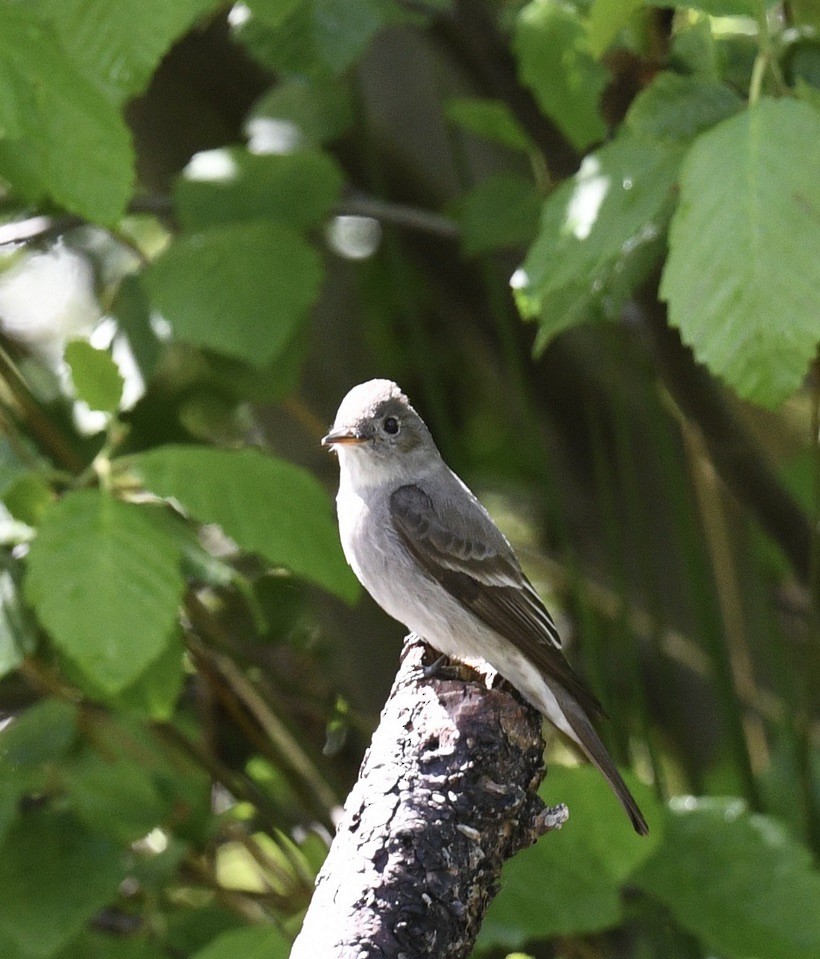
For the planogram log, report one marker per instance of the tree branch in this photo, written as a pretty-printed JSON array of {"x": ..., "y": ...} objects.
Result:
[{"x": 446, "y": 793}]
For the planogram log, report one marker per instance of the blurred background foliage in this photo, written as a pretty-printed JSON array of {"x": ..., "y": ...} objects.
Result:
[{"x": 214, "y": 220}]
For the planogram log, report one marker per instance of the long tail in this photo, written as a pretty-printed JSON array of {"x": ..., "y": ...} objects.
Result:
[{"x": 589, "y": 741}]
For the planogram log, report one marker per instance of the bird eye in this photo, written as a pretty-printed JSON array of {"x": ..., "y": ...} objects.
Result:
[{"x": 391, "y": 425}]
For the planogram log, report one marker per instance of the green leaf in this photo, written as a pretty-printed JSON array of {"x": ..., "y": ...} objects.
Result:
[
  {"x": 259, "y": 942},
  {"x": 319, "y": 107},
  {"x": 133, "y": 315},
  {"x": 27, "y": 496},
  {"x": 675, "y": 107},
  {"x": 114, "y": 798},
  {"x": 806, "y": 12},
  {"x": 715, "y": 8},
  {"x": 194, "y": 927},
  {"x": 54, "y": 875},
  {"x": 344, "y": 29},
  {"x": 555, "y": 63},
  {"x": 240, "y": 289},
  {"x": 501, "y": 211},
  {"x": 12, "y": 625},
  {"x": 98, "y": 945},
  {"x": 599, "y": 234},
  {"x": 64, "y": 137},
  {"x": 695, "y": 50},
  {"x": 587, "y": 861},
  {"x": 97, "y": 378},
  {"x": 294, "y": 188},
  {"x": 280, "y": 35},
  {"x": 299, "y": 36},
  {"x": 490, "y": 119},
  {"x": 606, "y": 18},
  {"x": 155, "y": 692},
  {"x": 745, "y": 206},
  {"x": 40, "y": 735},
  {"x": 266, "y": 505},
  {"x": 118, "y": 45},
  {"x": 274, "y": 13},
  {"x": 736, "y": 880},
  {"x": 105, "y": 581}
]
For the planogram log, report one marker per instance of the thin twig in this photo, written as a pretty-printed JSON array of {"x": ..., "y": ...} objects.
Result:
[{"x": 401, "y": 215}]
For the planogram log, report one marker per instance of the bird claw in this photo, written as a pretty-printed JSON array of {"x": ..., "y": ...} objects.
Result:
[{"x": 433, "y": 670}]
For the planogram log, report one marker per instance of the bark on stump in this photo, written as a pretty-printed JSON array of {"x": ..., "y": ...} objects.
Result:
[{"x": 446, "y": 793}]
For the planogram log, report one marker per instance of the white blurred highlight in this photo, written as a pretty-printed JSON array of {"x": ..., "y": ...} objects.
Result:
[{"x": 354, "y": 237}]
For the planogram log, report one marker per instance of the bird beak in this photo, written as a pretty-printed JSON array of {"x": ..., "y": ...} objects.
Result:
[{"x": 343, "y": 437}]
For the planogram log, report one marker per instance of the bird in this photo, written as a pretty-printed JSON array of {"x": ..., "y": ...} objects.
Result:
[{"x": 430, "y": 555}]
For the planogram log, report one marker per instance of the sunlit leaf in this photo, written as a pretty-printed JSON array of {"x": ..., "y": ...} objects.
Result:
[
  {"x": 294, "y": 188},
  {"x": 268, "y": 506},
  {"x": 678, "y": 107},
  {"x": 606, "y": 18},
  {"x": 743, "y": 249},
  {"x": 240, "y": 289},
  {"x": 599, "y": 234},
  {"x": 118, "y": 45},
  {"x": 105, "y": 581},
  {"x": 27, "y": 496},
  {"x": 715, "y": 8},
  {"x": 555, "y": 63},
  {"x": 96, "y": 376},
  {"x": 64, "y": 138}
]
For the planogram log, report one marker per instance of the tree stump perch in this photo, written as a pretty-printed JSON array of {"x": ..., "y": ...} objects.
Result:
[{"x": 446, "y": 793}]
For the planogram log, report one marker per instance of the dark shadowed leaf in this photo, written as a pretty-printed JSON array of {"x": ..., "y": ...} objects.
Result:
[
  {"x": 501, "y": 211},
  {"x": 261, "y": 942},
  {"x": 570, "y": 881},
  {"x": 490, "y": 119},
  {"x": 115, "y": 797},
  {"x": 301, "y": 36},
  {"x": 318, "y": 108},
  {"x": 54, "y": 875},
  {"x": 736, "y": 880}
]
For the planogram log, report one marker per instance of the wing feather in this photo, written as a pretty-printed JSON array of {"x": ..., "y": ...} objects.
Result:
[{"x": 488, "y": 581}]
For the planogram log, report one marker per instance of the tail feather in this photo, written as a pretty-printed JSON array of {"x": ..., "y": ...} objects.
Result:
[{"x": 589, "y": 741}]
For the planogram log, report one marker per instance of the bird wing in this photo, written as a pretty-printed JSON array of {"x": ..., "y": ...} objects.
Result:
[{"x": 486, "y": 579}]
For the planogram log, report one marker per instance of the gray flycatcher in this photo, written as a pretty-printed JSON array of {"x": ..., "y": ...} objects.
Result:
[{"x": 430, "y": 555}]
